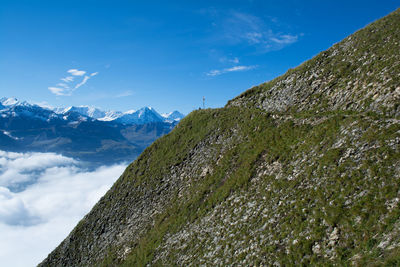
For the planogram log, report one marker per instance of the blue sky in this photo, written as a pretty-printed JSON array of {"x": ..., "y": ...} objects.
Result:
[{"x": 166, "y": 54}]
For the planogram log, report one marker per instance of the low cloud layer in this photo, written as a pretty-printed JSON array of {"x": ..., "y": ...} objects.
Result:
[
  {"x": 71, "y": 82},
  {"x": 56, "y": 193}
]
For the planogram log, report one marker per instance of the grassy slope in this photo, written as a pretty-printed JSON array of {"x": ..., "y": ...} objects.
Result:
[{"x": 317, "y": 195}]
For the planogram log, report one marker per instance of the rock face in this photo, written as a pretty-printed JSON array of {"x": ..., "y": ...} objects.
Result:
[{"x": 302, "y": 170}]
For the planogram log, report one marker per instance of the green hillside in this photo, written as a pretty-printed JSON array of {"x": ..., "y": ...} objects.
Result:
[{"x": 304, "y": 169}]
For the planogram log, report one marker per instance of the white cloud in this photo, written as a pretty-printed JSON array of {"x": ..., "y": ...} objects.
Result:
[
  {"x": 239, "y": 68},
  {"x": 213, "y": 73},
  {"x": 13, "y": 210},
  {"x": 285, "y": 39},
  {"x": 57, "y": 91},
  {"x": 234, "y": 60},
  {"x": 124, "y": 94},
  {"x": 232, "y": 69},
  {"x": 56, "y": 193},
  {"x": 63, "y": 85},
  {"x": 238, "y": 28},
  {"x": 67, "y": 79},
  {"x": 67, "y": 87},
  {"x": 76, "y": 72},
  {"x": 254, "y": 37},
  {"x": 85, "y": 79}
]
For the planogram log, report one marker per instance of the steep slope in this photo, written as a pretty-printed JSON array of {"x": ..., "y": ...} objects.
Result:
[{"x": 304, "y": 169}]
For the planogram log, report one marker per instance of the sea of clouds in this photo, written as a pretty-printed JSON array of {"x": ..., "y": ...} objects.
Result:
[{"x": 42, "y": 197}]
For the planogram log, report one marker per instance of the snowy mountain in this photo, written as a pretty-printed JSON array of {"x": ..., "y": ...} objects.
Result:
[
  {"x": 111, "y": 115},
  {"x": 173, "y": 116},
  {"x": 142, "y": 116},
  {"x": 13, "y": 107},
  {"x": 9, "y": 101},
  {"x": 88, "y": 111},
  {"x": 83, "y": 132}
]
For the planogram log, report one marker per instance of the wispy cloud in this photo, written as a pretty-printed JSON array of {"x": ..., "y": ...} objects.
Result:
[
  {"x": 59, "y": 91},
  {"x": 240, "y": 68},
  {"x": 232, "y": 69},
  {"x": 67, "y": 87},
  {"x": 85, "y": 79},
  {"x": 76, "y": 72},
  {"x": 63, "y": 85},
  {"x": 124, "y": 94},
  {"x": 67, "y": 79},
  {"x": 256, "y": 32},
  {"x": 254, "y": 37},
  {"x": 234, "y": 60},
  {"x": 214, "y": 73},
  {"x": 51, "y": 183},
  {"x": 238, "y": 28},
  {"x": 224, "y": 59},
  {"x": 285, "y": 39}
]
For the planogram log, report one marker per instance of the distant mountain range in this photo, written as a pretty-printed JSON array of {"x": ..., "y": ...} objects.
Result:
[
  {"x": 83, "y": 132},
  {"x": 141, "y": 116}
]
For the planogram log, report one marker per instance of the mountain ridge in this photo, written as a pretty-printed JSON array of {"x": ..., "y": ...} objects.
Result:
[
  {"x": 98, "y": 114},
  {"x": 75, "y": 132},
  {"x": 301, "y": 170}
]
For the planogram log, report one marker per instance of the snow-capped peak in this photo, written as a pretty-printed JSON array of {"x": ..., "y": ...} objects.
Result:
[
  {"x": 88, "y": 111},
  {"x": 79, "y": 113},
  {"x": 9, "y": 101},
  {"x": 131, "y": 111},
  {"x": 173, "y": 116},
  {"x": 111, "y": 115},
  {"x": 142, "y": 116},
  {"x": 45, "y": 106}
]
